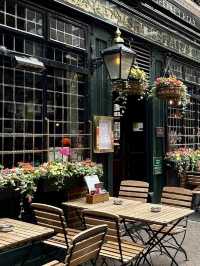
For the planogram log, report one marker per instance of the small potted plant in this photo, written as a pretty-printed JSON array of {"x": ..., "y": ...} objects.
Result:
[
  {"x": 171, "y": 89},
  {"x": 137, "y": 81}
]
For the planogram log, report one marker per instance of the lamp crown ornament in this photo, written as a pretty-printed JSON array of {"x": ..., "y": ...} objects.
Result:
[{"x": 118, "y": 38}]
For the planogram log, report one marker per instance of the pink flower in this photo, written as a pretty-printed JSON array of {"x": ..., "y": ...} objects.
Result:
[{"x": 65, "y": 151}]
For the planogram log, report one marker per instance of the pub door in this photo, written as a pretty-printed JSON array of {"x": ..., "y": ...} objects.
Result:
[{"x": 130, "y": 155}]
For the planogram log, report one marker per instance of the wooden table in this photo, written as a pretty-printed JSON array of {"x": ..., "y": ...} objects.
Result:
[
  {"x": 22, "y": 234},
  {"x": 103, "y": 206},
  {"x": 134, "y": 210}
]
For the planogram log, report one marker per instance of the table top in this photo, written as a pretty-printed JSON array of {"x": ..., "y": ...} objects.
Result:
[
  {"x": 135, "y": 210},
  {"x": 166, "y": 215},
  {"x": 22, "y": 234},
  {"x": 102, "y": 206}
]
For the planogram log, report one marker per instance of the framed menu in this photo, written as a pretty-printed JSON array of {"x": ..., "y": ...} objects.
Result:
[{"x": 103, "y": 134}]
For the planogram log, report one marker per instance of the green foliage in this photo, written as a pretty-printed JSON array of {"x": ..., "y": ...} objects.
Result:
[
  {"x": 183, "y": 160},
  {"x": 25, "y": 177}
]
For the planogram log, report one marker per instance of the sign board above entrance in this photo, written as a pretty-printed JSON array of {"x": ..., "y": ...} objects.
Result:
[
  {"x": 179, "y": 12},
  {"x": 151, "y": 31}
]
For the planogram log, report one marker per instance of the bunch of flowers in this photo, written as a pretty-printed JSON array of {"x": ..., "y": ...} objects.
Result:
[
  {"x": 25, "y": 177},
  {"x": 137, "y": 81},
  {"x": 171, "y": 81},
  {"x": 86, "y": 168},
  {"x": 138, "y": 74},
  {"x": 171, "y": 89},
  {"x": 183, "y": 159}
]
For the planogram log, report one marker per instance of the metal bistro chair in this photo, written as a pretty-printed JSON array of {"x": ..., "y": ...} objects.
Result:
[
  {"x": 84, "y": 247},
  {"x": 178, "y": 197},
  {"x": 53, "y": 217},
  {"x": 115, "y": 247},
  {"x": 134, "y": 190}
]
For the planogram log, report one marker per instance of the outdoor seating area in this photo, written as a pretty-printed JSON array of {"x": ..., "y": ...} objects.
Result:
[{"x": 101, "y": 240}]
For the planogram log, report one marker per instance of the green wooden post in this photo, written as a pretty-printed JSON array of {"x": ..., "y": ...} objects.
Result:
[
  {"x": 101, "y": 98},
  {"x": 158, "y": 142}
]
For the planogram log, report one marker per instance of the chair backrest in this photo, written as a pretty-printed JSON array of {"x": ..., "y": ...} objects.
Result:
[
  {"x": 86, "y": 246},
  {"x": 50, "y": 216},
  {"x": 177, "y": 196},
  {"x": 135, "y": 190},
  {"x": 93, "y": 218}
]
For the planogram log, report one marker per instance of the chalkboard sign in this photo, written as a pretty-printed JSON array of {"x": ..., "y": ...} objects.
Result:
[{"x": 157, "y": 165}]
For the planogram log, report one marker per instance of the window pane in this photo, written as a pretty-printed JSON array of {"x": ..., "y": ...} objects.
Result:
[
  {"x": 2, "y": 8},
  {"x": 19, "y": 45},
  {"x": 21, "y": 24},
  {"x": 2, "y": 20},
  {"x": 39, "y": 29},
  {"x": 8, "y": 76},
  {"x": 9, "y": 110},
  {"x": 10, "y": 7},
  {"x": 31, "y": 27},
  {"x": 10, "y": 21},
  {"x": 38, "y": 18},
  {"x": 8, "y": 93},
  {"x": 20, "y": 11},
  {"x": 19, "y": 78},
  {"x": 8, "y": 41},
  {"x": 31, "y": 15},
  {"x": 29, "y": 47}
]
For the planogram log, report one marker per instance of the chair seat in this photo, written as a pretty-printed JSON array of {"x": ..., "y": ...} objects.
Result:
[
  {"x": 58, "y": 240},
  {"x": 174, "y": 231},
  {"x": 129, "y": 250},
  {"x": 54, "y": 263}
]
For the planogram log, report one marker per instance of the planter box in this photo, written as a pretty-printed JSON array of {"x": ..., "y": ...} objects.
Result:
[
  {"x": 9, "y": 203},
  {"x": 172, "y": 179}
]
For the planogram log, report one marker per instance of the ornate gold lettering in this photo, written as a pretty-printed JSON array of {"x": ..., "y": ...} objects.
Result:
[{"x": 134, "y": 24}]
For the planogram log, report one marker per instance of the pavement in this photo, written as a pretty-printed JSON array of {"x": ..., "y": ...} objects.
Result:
[{"x": 191, "y": 245}]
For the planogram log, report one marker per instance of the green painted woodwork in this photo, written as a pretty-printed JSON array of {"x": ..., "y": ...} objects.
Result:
[
  {"x": 158, "y": 120},
  {"x": 101, "y": 97}
]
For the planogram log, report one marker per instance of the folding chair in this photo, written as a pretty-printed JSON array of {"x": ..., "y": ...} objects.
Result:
[
  {"x": 84, "y": 247},
  {"x": 53, "y": 217},
  {"x": 115, "y": 247},
  {"x": 178, "y": 197},
  {"x": 134, "y": 190}
]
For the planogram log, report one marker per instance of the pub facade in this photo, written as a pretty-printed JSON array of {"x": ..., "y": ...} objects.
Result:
[{"x": 51, "y": 89}]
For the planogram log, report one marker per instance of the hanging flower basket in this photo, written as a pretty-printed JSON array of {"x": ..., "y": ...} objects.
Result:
[
  {"x": 137, "y": 81},
  {"x": 135, "y": 87},
  {"x": 119, "y": 86},
  {"x": 170, "y": 88}
]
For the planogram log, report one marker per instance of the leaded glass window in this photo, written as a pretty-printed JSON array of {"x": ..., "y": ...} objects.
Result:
[
  {"x": 184, "y": 127},
  {"x": 17, "y": 16},
  {"x": 67, "y": 33}
]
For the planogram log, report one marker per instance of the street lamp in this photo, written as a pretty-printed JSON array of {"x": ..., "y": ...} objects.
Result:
[{"x": 118, "y": 59}]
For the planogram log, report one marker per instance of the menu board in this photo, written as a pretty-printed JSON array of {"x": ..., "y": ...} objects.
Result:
[{"x": 103, "y": 134}]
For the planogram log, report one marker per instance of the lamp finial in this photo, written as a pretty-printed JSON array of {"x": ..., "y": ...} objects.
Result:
[{"x": 118, "y": 38}]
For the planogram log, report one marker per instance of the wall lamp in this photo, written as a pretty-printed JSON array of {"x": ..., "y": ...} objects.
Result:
[
  {"x": 23, "y": 62},
  {"x": 117, "y": 59}
]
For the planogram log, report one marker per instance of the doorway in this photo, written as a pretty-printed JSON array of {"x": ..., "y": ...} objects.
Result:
[{"x": 130, "y": 154}]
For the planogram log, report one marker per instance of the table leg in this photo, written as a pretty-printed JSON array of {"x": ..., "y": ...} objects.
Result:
[
  {"x": 154, "y": 241},
  {"x": 25, "y": 258}
]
